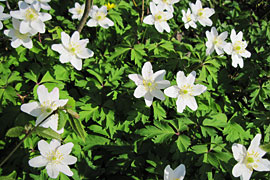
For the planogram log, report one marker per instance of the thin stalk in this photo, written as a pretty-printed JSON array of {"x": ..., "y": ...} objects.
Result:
[
  {"x": 142, "y": 11},
  {"x": 88, "y": 5},
  {"x": 18, "y": 145}
]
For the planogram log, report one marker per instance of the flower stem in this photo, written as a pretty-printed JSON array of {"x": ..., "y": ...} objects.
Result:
[
  {"x": 18, "y": 145},
  {"x": 88, "y": 5},
  {"x": 142, "y": 11}
]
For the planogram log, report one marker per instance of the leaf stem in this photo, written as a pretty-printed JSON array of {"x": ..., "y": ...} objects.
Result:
[
  {"x": 88, "y": 5},
  {"x": 18, "y": 145}
]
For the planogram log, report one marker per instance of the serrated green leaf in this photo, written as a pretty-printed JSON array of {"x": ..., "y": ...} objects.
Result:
[
  {"x": 62, "y": 119},
  {"x": 47, "y": 78},
  {"x": 77, "y": 126},
  {"x": 47, "y": 133}
]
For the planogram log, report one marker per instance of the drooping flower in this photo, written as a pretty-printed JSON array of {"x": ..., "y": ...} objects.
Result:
[
  {"x": 98, "y": 17},
  {"x": 3, "y": 16},
  {"x": 18, "y": 38},
  {"x": 158, "y": 17},
  {"x": 249, "y": 160},
  {"x": 48, "y": 103},
  {"x": 177, "y": 174},
  {"x": 31, "y": 18},
  {"x": 149, "y": 84},
  {"x": 215, "y": 41},
  {"x": 55, "y": 157},
  {"x": 237, "y": 49},
  {"x": 202, "y": 14},
  {"x": 168, "y": 4},
  {"x": 188, "y": 19},
  {"x": 77, "y": 11},
  {"x": 110, "y": 6},
  {"x": 185, "y": 91},
  {"x": 43, "y": 4},
  {"x": 73, "y": 49}
]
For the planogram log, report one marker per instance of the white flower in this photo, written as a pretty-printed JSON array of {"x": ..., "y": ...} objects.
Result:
[
  {"x": 73, "y": 49},
  {"x": 48, "y": 102},
  {"x": 249, "y": 159},
  {"x": 31, "y": 18},
  {"x": 43, "y": 4},
  {"x": 55, "y": 157},
  {"x": 188, "y": 19},
  {"x": 159, "y": 17},
  {"x": 237, "y": 49},
  {"x": 185, "y": 91},
  {"x": 19, "y": 38},
  {"x": 52, "y": 122},
  {"x": 215, "y": 41},
  {"x": 168, "y": 4},
  {"x": 149, "y": 84},
  {"x": 3, "y": 16},
  {"x": 77, "y": 11},
  {"x": 202, "y": 14},
  {"x": 177, "y": 174},
  {"x": 98, "y": 17}
]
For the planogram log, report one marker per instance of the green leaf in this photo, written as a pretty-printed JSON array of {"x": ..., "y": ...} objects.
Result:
[
  {"x": 31, "y": 76},
  {"x": 159, "y": 112},
  {"x": 77, "y": 126},
  {"x": 47, "y": 78},
  {"x": 266, "y": 147},
  {"x": 15, "y": 131},
  {"x": 200, "y": 149},
  {"x": 218, "y": 120},
  {"x": 62, "y": 119},
  {"x": 47, "y": 133}
]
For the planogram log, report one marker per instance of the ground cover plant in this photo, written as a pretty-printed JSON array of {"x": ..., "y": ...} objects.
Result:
[{"x": 133, "y": 89}]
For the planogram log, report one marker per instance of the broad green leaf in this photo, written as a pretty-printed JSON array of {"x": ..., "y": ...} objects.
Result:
[
  {"x": 15, "y": 131},
  {"x": 47, "y": 78},
  {"x": 47, "y": 133},
  {"x": 62, "y": 119},
  {"x": 77, "y": 127}
]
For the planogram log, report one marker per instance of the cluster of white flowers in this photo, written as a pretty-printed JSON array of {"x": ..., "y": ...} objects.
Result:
[
  {"x": 161, "y": 11},
  {"x": 27, "y": 21},
  {"x": 97, "y": 15},
  {"x": 237, "y": 48},
  {"x": 198, "y": 14},
  {"x": 149, "y": 85}
]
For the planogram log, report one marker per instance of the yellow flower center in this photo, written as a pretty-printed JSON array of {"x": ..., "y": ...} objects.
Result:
[
  {"x": 251, "y": 160},
  {"x": 159, "y": 17},
  {"x": 80, "y": 11},
  {"x": 100, "y": 16},
  {"x": 186, "y": 89},
  {"x": 47, "y": 106},
  {"x": 54, "y": 157},
  {"x": 201, "y": 12},
  {"x": 239, "y": 47},
  {"x": 217, "y": 41},
  {"x": 74, "y": 48},
  {"x": 20, "y": 35},
  {"x": 31, "y": 14},
  {"x": 149, "y": 85}
]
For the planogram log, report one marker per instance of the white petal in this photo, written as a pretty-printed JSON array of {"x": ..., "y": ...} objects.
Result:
[
  {"x": 16, "y": 43},
  {"x": 59, "y": 48},
  {"x": 172, "y": 91},
  {"x": 65, "y": 39},
  {"x": 159, "y": 75},
  {"x": 38, "y": 25},
  {"x": 65, "y": 169},
  {"x": 228, "y": 48},
  {"x": 237, "y": 59},
  {"x": 38, "y": 161},
  {"x": 159, "y": 27},
  {"x": 85, "y": 53},
  {"x": 52, "y": 170},
  {"x": 42, "y": 116},
  {"x": 66, "y": 148},
  {"x": 54, "y": 94},
  {"x": 239, "y": 169},
  {"x": 103, "y": 9},
  {"x": 147, "y": 71},
  {"x": 223, "y": 35},
  {"x": 140, "y": 91},
  {"x": 198, "y": 89},
  {"x": 263, "y": 165},
  {"x": 181, "y": 104},
  {"x": 191, "y": 78},
  {"x": 165, "y": 26},
  {"x": 190, "y": 102},
  {"x": 162, "y": 84},
  {"x": 158, "y": 94},
  {"x": 76, "y": 62},
  {"x": 148, "y": 98},
  {"x": 65, "y": 57},
  {"x": 45, "y": 6},
  {"x": 92, "y": 23},
  {"x": 25, "y": 27},
  {"x": 106, "y": 23},
  {"x": 75, "y": 37},
  {"x": 43, "y": 94},
  {"x": 233, "y": 36},
  {"x": 149, "y": 20},
  {"x": 32, "y": 108},
  {"x": 239, "y": 152},
  {"x": 54, "y": 144},
  {"x": 179, "y": 172},
  {"x": 255, "y": 145},
  {"x": 60, "y": 103},
  {"x": 153, "y": 8},
  {"x": 168, "y": 173},
  {"x": 205, "y": 22},
  {"x": 137, "y": 78},
  {"x": 27, "y": 43},
  {"x": 68, "y": 160},
  {"x": 246, "y": 54},
  {"x": 16, "y": 14},
  {"x": 181, "y": 78},
  {"x": 45, "y": 16},
  {"x": 219, "y": 51},
  {"x": 43, "y": 147},
  {"x": 209, "y": 50}
]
